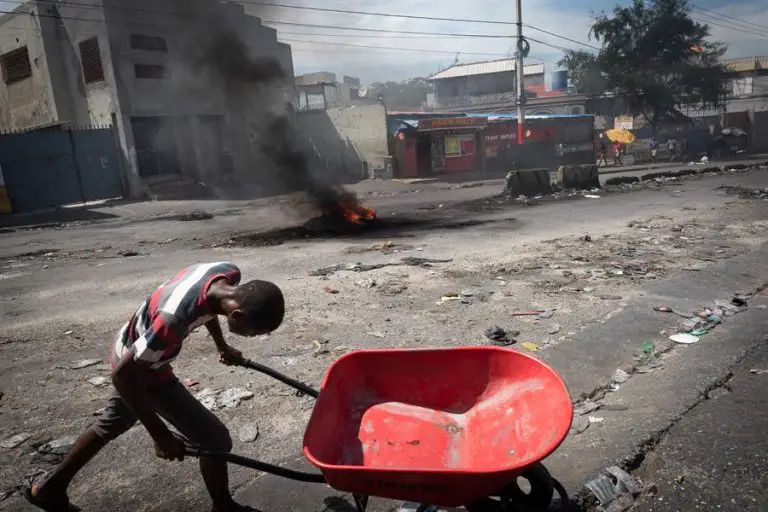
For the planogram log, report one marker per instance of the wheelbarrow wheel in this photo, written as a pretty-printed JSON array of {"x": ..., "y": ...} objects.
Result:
[{"x": 513, "y": 498}]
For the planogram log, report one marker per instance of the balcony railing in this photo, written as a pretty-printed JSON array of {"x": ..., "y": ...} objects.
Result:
[{"x": 485, "y": 99}]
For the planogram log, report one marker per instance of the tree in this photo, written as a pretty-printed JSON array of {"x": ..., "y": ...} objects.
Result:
[
  {"x": 655, "y": 56},
  {"x": 584, "y": 72},
  {"x": 408, "y": 94}
]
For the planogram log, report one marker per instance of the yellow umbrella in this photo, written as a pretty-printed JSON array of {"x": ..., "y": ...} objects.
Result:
[{"x": 621, "y": 135}]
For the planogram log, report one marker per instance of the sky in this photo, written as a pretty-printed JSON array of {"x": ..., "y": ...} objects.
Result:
[
  {"x": 380, "y": 56},
  {"x": 747, "y": 36}
]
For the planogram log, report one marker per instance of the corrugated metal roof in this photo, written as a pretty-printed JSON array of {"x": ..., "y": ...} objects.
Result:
[{"x": 482, "y": 68}]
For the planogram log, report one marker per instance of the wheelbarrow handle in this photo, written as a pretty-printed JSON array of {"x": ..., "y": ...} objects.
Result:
[
  {"x": 266, "y": 370},
  {"x": 239, "y": 460}
]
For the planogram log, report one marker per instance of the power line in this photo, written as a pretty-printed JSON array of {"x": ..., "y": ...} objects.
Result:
[
  {"x": 343, "y": 11},
  {"x": 716, "y": 22},
  {"x": 740, "y": 20},
  {"x": 392, "y": 48},
  {"x": 561, "y": 37},
  {"x": 424, "y": 50}
]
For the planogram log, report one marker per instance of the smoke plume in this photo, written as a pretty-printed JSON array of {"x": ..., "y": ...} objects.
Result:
[{"x": 254, "y": 89}]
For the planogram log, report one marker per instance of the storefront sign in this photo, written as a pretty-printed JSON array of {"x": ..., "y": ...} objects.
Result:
[
  {"x": 565, "y": 149},
  {"x": 624, "y": 123},
  {"x": 450, "y": 123},
  {"x": 499, "y": 137}
]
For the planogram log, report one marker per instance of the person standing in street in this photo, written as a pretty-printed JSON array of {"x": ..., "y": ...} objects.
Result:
[
  {"x": 617, "y": 154},
  {"x": 602, "y": 152},
  {"x": 654, "y": 147},
  {"x": 672, "y": 149}
]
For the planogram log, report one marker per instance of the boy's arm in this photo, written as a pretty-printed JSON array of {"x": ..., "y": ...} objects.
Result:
[{"x": 229, "y": 355}]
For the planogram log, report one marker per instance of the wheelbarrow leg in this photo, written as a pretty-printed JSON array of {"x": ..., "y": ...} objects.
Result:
[{"x": 361, "y": 502}]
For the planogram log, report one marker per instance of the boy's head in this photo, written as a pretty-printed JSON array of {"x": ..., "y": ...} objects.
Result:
[{"x": 260, "y": 309}]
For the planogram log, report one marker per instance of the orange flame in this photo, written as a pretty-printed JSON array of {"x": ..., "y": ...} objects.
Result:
[{"x": 356, "y": 213}]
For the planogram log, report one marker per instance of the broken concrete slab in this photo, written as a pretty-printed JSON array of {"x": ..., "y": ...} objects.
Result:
[{"x": 529, "y": 183}]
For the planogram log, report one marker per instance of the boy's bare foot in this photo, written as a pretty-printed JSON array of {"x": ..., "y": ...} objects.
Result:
[{"x": 48, "y": 503}]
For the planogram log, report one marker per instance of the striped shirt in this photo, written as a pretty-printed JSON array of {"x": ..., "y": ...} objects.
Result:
[{"x": 162, "y": 322}]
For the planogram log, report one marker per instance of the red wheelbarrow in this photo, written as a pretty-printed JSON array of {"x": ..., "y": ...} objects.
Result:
[{"x": 443, "y": 427}]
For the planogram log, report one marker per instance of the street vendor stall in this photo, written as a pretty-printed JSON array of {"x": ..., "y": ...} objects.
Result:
[{"x": 455, "y": 143}]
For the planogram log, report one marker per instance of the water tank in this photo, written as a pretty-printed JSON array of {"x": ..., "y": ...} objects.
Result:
[{"x": 560, "y": 80}]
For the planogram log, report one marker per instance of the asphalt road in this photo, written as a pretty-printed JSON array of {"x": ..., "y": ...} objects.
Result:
[
  {"x": 716, "y": 457},
  {"x": 65, "y": 292}
]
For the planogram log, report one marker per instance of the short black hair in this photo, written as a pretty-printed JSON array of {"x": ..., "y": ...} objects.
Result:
[{"x": 263, "y": 304}]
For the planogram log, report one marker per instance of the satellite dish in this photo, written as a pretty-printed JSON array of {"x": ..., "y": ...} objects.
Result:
[{"x": 362, "y": 92}]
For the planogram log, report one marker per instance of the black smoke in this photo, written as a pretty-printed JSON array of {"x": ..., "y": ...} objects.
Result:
[{"x": 254, "y": 88}]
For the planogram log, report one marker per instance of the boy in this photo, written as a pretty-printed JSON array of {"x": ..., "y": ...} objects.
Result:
[{"x": 146, "y": 388}]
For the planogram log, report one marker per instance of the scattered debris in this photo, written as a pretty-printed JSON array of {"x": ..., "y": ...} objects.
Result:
[
  {"x": 215, "y": 400},
  {"x": 448, "y": 298},
  {"x": 611, "y": 297},
  {"x": 99, "y": 381},
  {"x": 332, "y": 291},
  {"x": 85, "y": 363},
  {"x": 195, "y": 215},
  {"x": 129, "y": 254},
  {"x": 579, "y": 424},
  {"x": 410, "y": 261},
  {"x": 376, "y": 334},
  {"x": 548, "y": 313},
  {"x": 586, "y": 238},
  {"x": 529, "y": 345},
  {"x": 16, "y": 440},
  {"x": 620, "y": 376},
  {"x": 53, "y": 452},
  {"x": 586, "y": 408},
  {"x": 596, "y": 419},
  {"x": 527, "y": 313},
  {"x": 366, "y": 283},
  {"x": 606, "y": 491},
  {"x": 554, "y": 329},
  {"x": 666, "y": 309},
  {"x": 191, "y": 383},
  {"x": 685, "y": 339},
  {"x": 248, "y": 433},
  {"x": 648, "y": 348},
  {"x": 758, "y": 371},
  {"x": 500, "y": 337},
  {"x": 591, "y": 196},
  {"x": 67, "y": 333}
]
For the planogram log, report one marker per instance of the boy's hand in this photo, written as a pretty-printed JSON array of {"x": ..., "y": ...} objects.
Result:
[
  {"x": 230, "y": 356},
  {"x": 172, "y": 447}
]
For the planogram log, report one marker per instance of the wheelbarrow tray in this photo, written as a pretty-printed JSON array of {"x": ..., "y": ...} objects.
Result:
[{"x": 439, "y": 426}]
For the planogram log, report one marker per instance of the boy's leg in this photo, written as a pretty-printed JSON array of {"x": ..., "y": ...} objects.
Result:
[
  {"x": 116, "y": 419},
  {"x": 177, "y": 406}
]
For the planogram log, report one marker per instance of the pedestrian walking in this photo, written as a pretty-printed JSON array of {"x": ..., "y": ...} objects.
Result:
[
  {"x": 602, "y": 152},
  {"x": 618, "y": 154}
]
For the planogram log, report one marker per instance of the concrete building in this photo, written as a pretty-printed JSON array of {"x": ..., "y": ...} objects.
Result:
[
  {"x": 94, "y": 62},
  {"x": 321, "y": 90},
  {"x": 490, "y": 86}
]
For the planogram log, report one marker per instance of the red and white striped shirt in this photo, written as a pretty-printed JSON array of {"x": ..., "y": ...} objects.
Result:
[{"x": 162, "y": 322}]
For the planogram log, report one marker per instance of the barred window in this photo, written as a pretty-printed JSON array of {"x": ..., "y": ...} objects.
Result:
[
  {"x": 16, "y": 65},
  {"x": 90, "y": 58}
]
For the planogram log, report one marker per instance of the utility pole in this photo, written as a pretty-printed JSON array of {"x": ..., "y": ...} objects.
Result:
[{"x": 519, "y": 68}]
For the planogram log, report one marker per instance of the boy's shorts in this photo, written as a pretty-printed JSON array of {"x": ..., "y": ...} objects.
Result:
[{"x": 176, "y": 405}]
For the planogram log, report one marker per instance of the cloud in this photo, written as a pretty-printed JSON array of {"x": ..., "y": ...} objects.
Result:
[{"x": 314, "y": 48}]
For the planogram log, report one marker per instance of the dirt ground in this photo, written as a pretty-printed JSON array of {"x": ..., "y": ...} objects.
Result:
[{"x": 465, "y": 265}]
